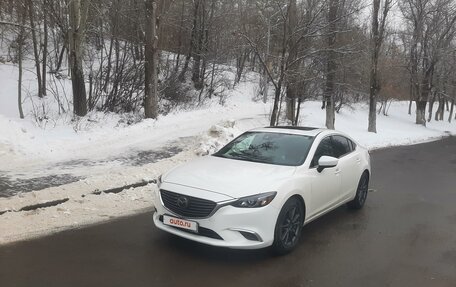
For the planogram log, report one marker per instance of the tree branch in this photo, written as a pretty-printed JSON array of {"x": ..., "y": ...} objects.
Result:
[{"x": 15, "y": 24}]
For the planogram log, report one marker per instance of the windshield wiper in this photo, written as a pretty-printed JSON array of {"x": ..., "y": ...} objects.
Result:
[{"x": 243, "y": 156}]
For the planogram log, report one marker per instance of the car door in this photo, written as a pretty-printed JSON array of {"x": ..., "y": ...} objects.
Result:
[
  {"x": 325, "y": 184},
  {"x": 348, "y": 166}
]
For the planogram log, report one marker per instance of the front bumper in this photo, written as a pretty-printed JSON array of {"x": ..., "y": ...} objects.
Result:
[{"x": 229, "y": 223}]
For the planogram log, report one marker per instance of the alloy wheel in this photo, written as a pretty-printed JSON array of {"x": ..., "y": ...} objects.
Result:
[
  {"x": 363, "y": 189},
  {"x": 289, "y": 229}
]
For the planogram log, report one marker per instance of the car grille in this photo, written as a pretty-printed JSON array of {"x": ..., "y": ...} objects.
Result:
[{"x": 194, "y": 207}]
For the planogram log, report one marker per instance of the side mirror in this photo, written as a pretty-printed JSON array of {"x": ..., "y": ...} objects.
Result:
[{"x": 326, "y": 162}]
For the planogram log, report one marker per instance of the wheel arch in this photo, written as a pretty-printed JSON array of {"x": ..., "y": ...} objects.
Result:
[
  {"x": 277, "y": 246},
  {"x": 300, "y": 200}
]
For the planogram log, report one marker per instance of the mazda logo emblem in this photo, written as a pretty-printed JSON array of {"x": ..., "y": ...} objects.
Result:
[{"x": 182, "y": 202}]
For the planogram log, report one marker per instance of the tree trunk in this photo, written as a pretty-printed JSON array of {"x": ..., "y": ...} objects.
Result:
[
  {"x": 431, "y": 107},
  {"x": 451, "y": 111},
  {"x": 19, "y": 83},
  {"x": 374, "y": 85},
  {"x": 441, "y": 109},
  {"x": 91, "y": 101},
  {"x": 298, "y": 110},
  {"x": 196, "y": 52},
  {"x": 36, "y": 52},
  {"x": 20, "y": 42},
  {"x": 179, "y": 41},
  {"x": 211, "y": 85},
  {"x": 192, "y": 45},
  {"x": 290, "y": 101},
  {"x": 240, "y": 64},
  {"x": 253, "y": 62},
  {"x": 372, "y": 127},
  {"x": 62, "y": 53},
  {"x": 78, "y": 15},
  {"x": 421, "y": 112},
  {"x": 331, "y": 64},
  {"x": 291, "y": 92},
  {"x": 207, "y": 24},
  {"x": 423, "y": 95},
  {"x": 45, "y": 50},
  {"x": 278, "y": 87},
  {"x": 264, "y": 84},
  {"x": 151, "y": 61},
  {"x": 275, "y": 108},
  {"x": 109, "y": 65}
]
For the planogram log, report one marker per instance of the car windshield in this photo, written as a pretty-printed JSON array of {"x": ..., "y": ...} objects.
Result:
[{"x": 268, "y": 147}]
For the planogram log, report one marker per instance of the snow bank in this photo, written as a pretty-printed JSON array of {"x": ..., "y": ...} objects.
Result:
[
  {"x": 398, "y": 128},
  {"x": 216, "y": 137},
  {"x": 83, "y": 207}
]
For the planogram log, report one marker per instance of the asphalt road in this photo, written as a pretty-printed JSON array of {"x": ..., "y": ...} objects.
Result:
[{"x": 405, "y": 236}]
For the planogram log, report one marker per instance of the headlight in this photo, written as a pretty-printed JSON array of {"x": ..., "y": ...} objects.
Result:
[{"x": 254, "y": 201}]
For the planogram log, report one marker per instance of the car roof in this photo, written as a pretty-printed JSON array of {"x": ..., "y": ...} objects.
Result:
[{"x": 307, "y": 131}]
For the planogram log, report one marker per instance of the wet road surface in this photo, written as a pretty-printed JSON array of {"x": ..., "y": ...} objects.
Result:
[{"x": 405, "y": 236}]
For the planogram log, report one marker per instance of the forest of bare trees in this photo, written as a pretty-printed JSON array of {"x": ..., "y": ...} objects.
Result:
[{"x": 152, "y": 56}]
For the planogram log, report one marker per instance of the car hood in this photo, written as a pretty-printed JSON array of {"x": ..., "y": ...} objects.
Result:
[{"x": 234, "y": 178}]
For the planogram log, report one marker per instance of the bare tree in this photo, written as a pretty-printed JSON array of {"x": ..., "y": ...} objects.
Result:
[
  {"x": 78, "y": 10},
  {"x": 292, "y": 79},
  {"x": 333, "y": 7},
  {"x": 431, "y": 26},
  {"x": 45, "y": 47},
  {"x": 377, "y": 36},
  {"x": 151, "y": 61},
  {"x": 129, "y": 54},
  {"x": 277, "y": 78},
  {"x": 36, "y": 53},
  {"x": 20, "y": 48}
]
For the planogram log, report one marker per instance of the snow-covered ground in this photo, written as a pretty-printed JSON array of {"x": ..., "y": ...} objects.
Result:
[{"x": 95, "y": 149}]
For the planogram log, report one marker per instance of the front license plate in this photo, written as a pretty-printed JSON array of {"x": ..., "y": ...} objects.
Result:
[{"x": 181, "y": 223}]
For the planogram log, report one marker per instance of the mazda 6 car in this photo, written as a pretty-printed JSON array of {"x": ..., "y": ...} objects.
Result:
[{"x": 263, "y": 187}]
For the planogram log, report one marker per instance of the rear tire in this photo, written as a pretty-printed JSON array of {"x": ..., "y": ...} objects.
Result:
[
  {"x": 361, "y": 193},
  {"x": 288, "y": 227}
]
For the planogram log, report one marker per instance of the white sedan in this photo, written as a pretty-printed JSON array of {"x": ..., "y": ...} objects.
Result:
[{"x": 261, "y": 188}]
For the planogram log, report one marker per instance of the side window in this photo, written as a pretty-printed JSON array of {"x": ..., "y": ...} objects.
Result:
[
  {"x": 324, "y": 148},
  {"x": 341, "y": 146}
]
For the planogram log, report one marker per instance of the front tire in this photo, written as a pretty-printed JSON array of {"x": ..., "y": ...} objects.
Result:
[
  {"x": 288, "y": 227},
  {"x": 361, "y": 193}
]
